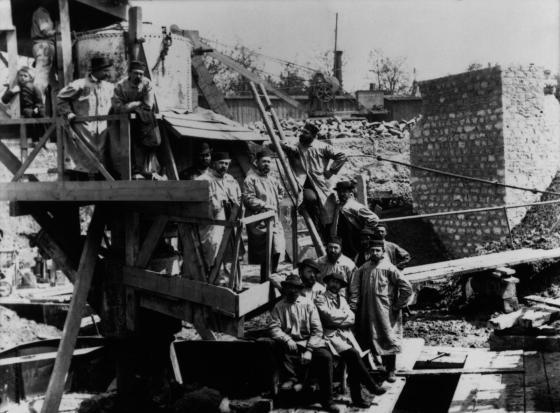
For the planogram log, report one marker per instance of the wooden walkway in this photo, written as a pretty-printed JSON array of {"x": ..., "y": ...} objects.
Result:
[
  {"x": 531, "y": 385},
  {"x": 447, "y": 269}
]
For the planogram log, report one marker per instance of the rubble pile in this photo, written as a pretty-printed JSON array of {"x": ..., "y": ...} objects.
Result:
[{"x": 15, "y": 330}]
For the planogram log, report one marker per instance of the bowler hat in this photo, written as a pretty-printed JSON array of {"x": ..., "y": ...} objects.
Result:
[
  {"x": 264, "y": 153},
  {"x": 100, "y": 62},
  {"x": 136, "y": 65},
  {"x": 311, "y": 128},
  {"x": 335, "y": 276},
  {"x": 308, "y": 262},
  {"x": 203, "y": 148},
  {"x": 292, "y": 280},
  {"x": 344, "y": 185}
]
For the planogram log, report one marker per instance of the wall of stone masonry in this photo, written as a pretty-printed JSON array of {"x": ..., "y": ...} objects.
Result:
[
  {"x": 531, "y": 134},
  {"x": 493, "y": 124}
]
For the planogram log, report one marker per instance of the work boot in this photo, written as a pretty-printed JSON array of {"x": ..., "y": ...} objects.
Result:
[
  {"x": 391, "y": 376},
  {"x": 376, "y": 389},
  {"x": 361, "y": 403},
  {"x": 330, "y": 407}
]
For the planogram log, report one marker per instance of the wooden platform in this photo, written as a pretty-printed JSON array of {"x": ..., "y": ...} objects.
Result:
[
  {"x": 98, "y": 191},
  {"x": 447, "y": 269}
]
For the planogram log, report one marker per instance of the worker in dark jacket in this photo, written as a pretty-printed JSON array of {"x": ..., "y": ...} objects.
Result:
[
  {"x": 203, "y": 153},
  {"x": 397, "y": 255},
  {"x": 30, "y": 97}
]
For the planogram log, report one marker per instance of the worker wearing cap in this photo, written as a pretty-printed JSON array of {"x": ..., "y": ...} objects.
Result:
[
  {"x": 308, "y": 271},
  {"x": 261, "y": 193},
  {"x": 43, "y": 34},
  {"x": 397, "y": 255},
  {"x": 334, "y": 261},
  {"x": 203, "y": 153},
  {"x": 311, "y": 163},
  {"x": 338, "y": 320},
  {"x": 135, "y": 94},
  {"x": 88, "y": 96},
  {"x": 224, "y": 194},
  {"x": 378, "y": 293},
  {"x": 350, "y": 218},
  {"x": 296, "y": 329},
  {"x": 367, "y": 234}
]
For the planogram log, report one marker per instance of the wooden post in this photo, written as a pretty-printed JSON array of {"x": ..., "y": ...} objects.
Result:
[
  {"x": 361, "y": 189},
  {"x": 11, "y": 43},
  {"x": 295, "y": 244},
  {"x": 59, "y": 150},
  {"x": 319, "y": 247},
  {"x": 124, "y": 150},
  {"x": 268, "y": 256},
  {"x": 151, "y": 241},
  {"x": 223, "y": 246},
  {"x": 74, "y": 317},
  {"x": 132, "y": 237},
  {"x": 66, "y": 42},
  {"x": 134, "y": 31},
  {"x": 23, "y": 142}
]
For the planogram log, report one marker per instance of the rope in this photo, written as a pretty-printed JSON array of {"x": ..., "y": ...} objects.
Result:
[{"x": 457, "y": 176}]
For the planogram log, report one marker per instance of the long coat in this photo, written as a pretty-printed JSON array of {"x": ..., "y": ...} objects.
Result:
[
  {"x": 378, "y": 292},
  {"x": 260, "y": 190}
]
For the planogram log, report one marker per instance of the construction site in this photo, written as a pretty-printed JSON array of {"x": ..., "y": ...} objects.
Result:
[{"x": 166, "y": 246}]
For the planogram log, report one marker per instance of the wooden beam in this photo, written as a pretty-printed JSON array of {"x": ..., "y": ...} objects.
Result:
[
  {"x": 226, "y": 239},
  {"x": 151, "y": 241},
  {"x": 194, "y": 266},
  {"x": 167, "y": 153},
  {"x": 255, "y": 297},
  {"x": 44, "y": 356},
  {"x": 66, "y": 42},
  {"x": 17, "y": 176},
  {"x": 86, "y": 269},
  {"x": 268, "y": 252},
  {"x": 49, "y": 246},
  {"x": 441, "y": 372},
  {"x": 99, "y": 191},
  {"x": 257, "y": 217},
  {"x": 124, "y": 149},
  {"x": 134, "y": 31},
  {"x": 220, "y": 299},
  {"x": 118, "y": 11},
  {"x": 13, "y": 65},
  {"x": 11, "y": 162}
]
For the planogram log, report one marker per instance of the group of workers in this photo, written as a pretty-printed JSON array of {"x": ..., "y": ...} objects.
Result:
[{"x": 344, "y": 305}]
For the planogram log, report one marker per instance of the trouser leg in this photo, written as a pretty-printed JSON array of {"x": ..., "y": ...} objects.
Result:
[
  {"x": 275, "y": 258},
  {"x": 313, "y": 207},
  {"x": 323, "y": 366},
  {"x": 286, "y": 361},
  {"x": 389, "y": 362},
  {"x": 357, "y": 374}
]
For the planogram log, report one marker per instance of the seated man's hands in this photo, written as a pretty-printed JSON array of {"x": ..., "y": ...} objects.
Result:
[
  {"x": 70, "y": 116},
  {"x": 306, "y": 357},
  {"x": 292, "y": 346},
  {"x": 132, "y": 105}
]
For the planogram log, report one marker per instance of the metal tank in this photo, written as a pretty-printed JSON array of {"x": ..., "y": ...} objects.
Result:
[{"x": 171, "y": 75}]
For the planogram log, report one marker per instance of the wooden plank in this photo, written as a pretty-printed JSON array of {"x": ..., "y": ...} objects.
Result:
[
  {"x": 59, "y": 151},
  {"x": 441, "y": 357},
  {"x": 114, "y": 9},
  {"x": 66, "y": 41},
  {"x": 172, "y": 307},
  {"x": 504, "y": 321},
  {"x": 386, "y": 403},
  {"x": 257, "y": 217},
  {"x": 411, "y": 350},
  {"x": 11, "y": 45},
  {"x": 151, "y": 241},
  {"x": 134, "y": 31},
  {"x": 167, "y": 154},
  {"x": 50, "y": 247},
  {"x": 220, "y": 299},
  {"x": 214, "y": 135},
  {"x": 524, "y": 342},
  {"x": 74, "y": 317},
  {"x": 206, "y": 125},
  {"x": 124, "y": 151},
  {"x": 458, "y": 371},
  {"x": 131, "y": 247},
  {"x": 552, "y": 368},
  {"x": 255, "y": 297},
  {"x": 17, "y": 176},
  {"x": 553, "y": 302},
  {"x": 268, "y": 252},
  {"x": 166, "y": 191},
  {"x": 210, "y": 91},
  {"x": 194, "y": 266},
  {"x": 537, "y": 390},
  {"x": 538, "y": 315},
  {"x": 11, "y": 162},
  {"x": 44, "y": 356},
  {"x": 226, "y": 239}
]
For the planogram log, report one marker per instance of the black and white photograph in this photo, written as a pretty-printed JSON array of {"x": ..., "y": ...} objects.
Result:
[{"x": 279, "y": 206}]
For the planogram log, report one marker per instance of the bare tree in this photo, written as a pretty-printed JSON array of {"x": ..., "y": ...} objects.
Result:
[
  {"x": 324, "y": 62},
  {"x": 392, "y": 74},
  {"x": 474, "y": 66}
]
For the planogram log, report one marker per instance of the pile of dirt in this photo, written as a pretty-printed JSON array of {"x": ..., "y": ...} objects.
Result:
[
  {"x": 438, "y": 328},
  {"x": 15, "y": 330}
]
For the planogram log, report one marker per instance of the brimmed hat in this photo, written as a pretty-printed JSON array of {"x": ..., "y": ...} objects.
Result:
[
  {"x": 264, "y": 153},
  {"x": 368, "y": 231},
  {"x": 220, "y": 156},
  {"x": 311, "y": 128},
  {"x": 377, "y": 242},
  {"x": 292, "y": 280},
  {"x": 136, "y": 65},
  {"x": 336, "y": 276},
  {"x": 100, "y": 62},
  {"x": 344, "y": 185},
  {"x": 308, "y": 262}
]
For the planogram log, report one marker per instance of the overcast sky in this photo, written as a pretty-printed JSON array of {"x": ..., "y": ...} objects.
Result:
[{"x": 437, "y": 37}]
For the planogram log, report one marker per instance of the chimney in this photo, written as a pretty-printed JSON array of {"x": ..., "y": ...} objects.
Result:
[
  {"x": 338, "y": 65},
  {"x": 371, "y": 87}
]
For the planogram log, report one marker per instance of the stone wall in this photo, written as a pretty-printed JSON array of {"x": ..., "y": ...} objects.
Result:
[{"x": 487, "y": 124}]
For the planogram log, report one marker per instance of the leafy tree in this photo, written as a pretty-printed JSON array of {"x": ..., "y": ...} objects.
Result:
[
  {"x": 391, "y": 74},
  {"x": 228, "y": 81},
  {"x": 474, "y": 66},
  {"x": 292, "y": 81}
]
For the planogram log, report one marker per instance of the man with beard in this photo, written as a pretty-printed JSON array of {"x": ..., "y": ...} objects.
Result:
[
  {"x": 87, "y": 96},
  {"x": 335, "y": 262},
  {"x": 225, "y": 194},
  {"x": 309, "y": 160},
  {"x": 297, "y": 331},
  {"x": 202, "y": 162},
  {"x": 308, "y": 270},
  {"x": 366, "y": 236},
  {"x": 338, "y": 320},
  {"x": 135, "y": 94},
  {"x": 261, "y": 193},
  {"x": 350, "y": 218},
  {"x": 378, "y": 293},
  {"x": 398, "y": 256}
]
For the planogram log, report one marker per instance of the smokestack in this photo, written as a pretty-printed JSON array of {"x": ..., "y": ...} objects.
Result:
[{"x": 338, "y": 65}]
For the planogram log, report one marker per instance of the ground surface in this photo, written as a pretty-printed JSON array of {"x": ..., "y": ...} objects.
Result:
[{"x": 15, "y": 330}]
